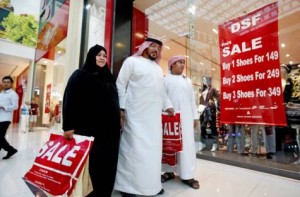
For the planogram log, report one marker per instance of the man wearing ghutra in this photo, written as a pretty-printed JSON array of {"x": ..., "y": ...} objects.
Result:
[
  {"x": 180, "y": 90},
  {"x": 142, "y": 99}
]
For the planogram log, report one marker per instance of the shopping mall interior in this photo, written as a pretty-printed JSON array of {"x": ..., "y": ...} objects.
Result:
[{"x": 186, "y": 27}]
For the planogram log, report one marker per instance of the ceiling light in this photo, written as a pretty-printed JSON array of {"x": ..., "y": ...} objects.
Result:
[
  {"x": 192, "y": 9},
  {"x": 291, "y": 62},
  {"x": 282, "y": 45},
  {"x": 167, "y": 47},
  {"x": 201, "y": 63},
  {"x": 215, "y": 31},
  {"x": 287, "y": 55}
]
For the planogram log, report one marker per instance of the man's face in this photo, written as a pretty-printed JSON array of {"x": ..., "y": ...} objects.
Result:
[
  {"x": 178, "y": 67},
  {"x": 153, "y": 51},
  {"x": 6, "y": 84}
]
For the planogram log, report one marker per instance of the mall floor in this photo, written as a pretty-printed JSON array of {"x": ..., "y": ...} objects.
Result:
[{"x": 216, "y": 179}]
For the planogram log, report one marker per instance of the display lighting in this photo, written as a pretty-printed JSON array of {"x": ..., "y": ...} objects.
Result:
[{"x": 215, "y": 31}]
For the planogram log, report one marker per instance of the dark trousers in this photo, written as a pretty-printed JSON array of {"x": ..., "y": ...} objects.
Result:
[{"x": 3, "y": 143}]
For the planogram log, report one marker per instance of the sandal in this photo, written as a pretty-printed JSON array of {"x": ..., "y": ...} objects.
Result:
[
  {"x": 192, "y": 183},
  {"x": 167, "y": 176}
]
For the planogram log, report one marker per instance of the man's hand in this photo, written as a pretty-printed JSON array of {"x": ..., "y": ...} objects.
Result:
[{"x": 170, "y": 111}]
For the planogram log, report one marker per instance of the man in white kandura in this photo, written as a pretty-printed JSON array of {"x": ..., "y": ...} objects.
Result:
[
  {"x": 142, "y": 99},
  {"x": 180, "y": 90}
]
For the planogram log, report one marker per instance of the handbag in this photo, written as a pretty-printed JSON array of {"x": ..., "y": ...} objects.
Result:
[{"x": 293, "y": 113}]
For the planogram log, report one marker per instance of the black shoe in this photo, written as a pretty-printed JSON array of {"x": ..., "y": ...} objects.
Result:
[
  {"x": 269, "y": 156},
  {"x": 161, "y": 192},
  {"x": 127, "y": 195},
  {"x": 244, "y": 154},
  {"x": 10, "y": 153},
  {"x": 256, "y": 154}
]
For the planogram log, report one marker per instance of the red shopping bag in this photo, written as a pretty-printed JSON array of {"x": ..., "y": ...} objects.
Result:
[
  {"x": 169, "y": 158},
  {"x": 172, "y": 138},
  {"x": 59, "y": 163}
]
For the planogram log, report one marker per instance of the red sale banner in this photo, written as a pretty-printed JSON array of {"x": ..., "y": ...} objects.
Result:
[
  {"x": 251, "y": 91},
  {"x": 59, "y": 163},
  {"x": 172, "y": 138},
  {"x": 48, "y": 97}
]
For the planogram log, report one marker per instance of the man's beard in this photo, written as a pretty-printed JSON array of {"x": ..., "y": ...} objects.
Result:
[{"x": 152, "y": 58}]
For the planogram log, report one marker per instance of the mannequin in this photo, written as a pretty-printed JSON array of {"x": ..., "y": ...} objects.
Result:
[
  {"x": 287, "y": 89},
  {"x": 287, "y": 83},
  {"x": 209, "y": 97}
]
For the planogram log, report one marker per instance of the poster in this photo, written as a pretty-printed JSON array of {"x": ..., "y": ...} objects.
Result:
[
  {"x": 48, "y": 97},
  {"x": 54, "y": 19},
  {"x": 251, "y": 91}
]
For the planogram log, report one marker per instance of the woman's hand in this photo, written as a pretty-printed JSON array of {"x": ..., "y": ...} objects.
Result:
[
  {"x": 122, "y": 119},
  {"x": 69, "y": 134}
]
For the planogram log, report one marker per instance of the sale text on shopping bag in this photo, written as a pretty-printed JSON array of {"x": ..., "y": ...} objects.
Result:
[
  {"x": 172, "y": 137},
  {"x": 59, "y": 164}
]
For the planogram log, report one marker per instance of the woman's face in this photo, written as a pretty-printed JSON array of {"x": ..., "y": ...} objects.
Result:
[{"x": 101, "y": 58}]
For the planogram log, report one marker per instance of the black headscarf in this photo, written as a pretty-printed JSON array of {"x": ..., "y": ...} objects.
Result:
[{"x": 91, "y": 66}]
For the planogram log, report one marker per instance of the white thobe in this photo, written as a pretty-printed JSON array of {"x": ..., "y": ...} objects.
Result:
[
  {"x": 141, "y": 94},
  {"x": 181, "y": 93}
]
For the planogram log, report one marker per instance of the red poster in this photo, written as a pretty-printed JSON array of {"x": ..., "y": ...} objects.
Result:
[
  {"x": 48, "y": 96},
  {"x": 54, "y": 22},
  {"x": 59, "y": 164},
  {"x": 251, "y": 91}
]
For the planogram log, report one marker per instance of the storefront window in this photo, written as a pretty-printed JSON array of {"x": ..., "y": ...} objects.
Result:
[{"x": 192, "y": 28}]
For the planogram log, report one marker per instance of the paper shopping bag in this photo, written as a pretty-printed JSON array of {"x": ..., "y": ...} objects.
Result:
[
  {"x": 172, "y": 136},
  {"x": 169, "y": 158},
  {"x": 59, "y": 165}
]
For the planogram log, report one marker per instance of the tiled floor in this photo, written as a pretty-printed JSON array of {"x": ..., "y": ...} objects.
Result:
[{"x": 216, "y": 180}]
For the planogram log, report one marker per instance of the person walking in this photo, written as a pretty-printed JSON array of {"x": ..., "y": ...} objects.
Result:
[
  {"x": 34, "y": 113},
  {"x": 24, "y": 117},
  {"x": 8, "y": 103},
  {"x": 142, "y": 99},
  {"x": 180, "y": 90},
  {"x": 91, "y": 108}
]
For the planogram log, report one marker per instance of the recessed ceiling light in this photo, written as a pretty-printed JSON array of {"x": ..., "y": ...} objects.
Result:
[
  {"x": 215, "y": 31},
  {"x": 282, "y": 45},
  {"x": 192, "y": 9},
  {"x": 287, "y": 55},
  {"x": 167, "y": 47}
]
